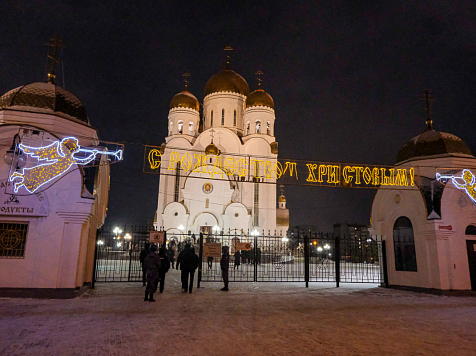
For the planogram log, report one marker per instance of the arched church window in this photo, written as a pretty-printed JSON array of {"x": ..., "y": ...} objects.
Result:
[
  {"x": 234, "y": 118},
  {"x": 211, "y": 118},
  {"x": 222, "y": 117},
  {"x": 180, "y": 127},
  {"x": 190, "y": 128},
  {"x": 258, "y": 127},
  {"x": 470, "y": 230},
  {"x": 171, "y": 127},
  {"x": 248, "y": 128},
  {"x": 404, "y": 245},
  {"x": 268, "y": 128}
]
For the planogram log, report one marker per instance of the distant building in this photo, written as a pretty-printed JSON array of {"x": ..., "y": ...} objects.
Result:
[{"x": 351, "y": 231}]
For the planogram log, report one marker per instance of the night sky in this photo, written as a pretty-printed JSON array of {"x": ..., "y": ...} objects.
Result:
[{"x": 345, "y": 76}]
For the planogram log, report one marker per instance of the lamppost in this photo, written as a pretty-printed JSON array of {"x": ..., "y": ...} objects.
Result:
[
  {"x": 128, "y": 238},
  {"x": 117, "y": 232}
]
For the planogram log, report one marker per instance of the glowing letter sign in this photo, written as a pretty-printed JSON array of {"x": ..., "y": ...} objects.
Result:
[
  {"x": 53, "y": 161},
  {"x": 468, "y": 179}
]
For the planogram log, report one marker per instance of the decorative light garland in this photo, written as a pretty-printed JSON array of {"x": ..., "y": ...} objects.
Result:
[
  {"x": 59, "y": 157},
  {"x": 470, "y": 182}
]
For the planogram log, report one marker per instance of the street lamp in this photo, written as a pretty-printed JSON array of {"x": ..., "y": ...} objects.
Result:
[
  {"x": 255, "y": 232},
  {"x": 326, "y": 246}
]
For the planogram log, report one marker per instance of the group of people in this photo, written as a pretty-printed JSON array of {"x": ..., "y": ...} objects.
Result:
[{"x": 156, "y": 265}]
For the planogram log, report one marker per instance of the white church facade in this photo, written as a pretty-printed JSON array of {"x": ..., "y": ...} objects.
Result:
[{"x": 236, "y": 125}]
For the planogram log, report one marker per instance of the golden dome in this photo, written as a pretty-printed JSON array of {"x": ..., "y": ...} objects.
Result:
[
  {"x": 282, "y": 199},
  {"x": 228, "y": 81},
  {"x": 259, "y": 98},
  {"x": 212, "y": 150},
  {"x": 184, "y": 99}
]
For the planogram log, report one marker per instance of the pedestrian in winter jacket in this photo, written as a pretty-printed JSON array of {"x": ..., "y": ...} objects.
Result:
[
  {"x": 225, "y": 265},
  {"x": 164, "y": 267},
  {"x": 143, "y": 254},
  {"x": 188, "y": 261},
  {"x": 152, "y": 267}
]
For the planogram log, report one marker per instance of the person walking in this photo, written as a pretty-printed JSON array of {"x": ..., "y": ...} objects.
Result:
[
  {"x": 191, "y": 263},
  {"x": 181, "y": 263},
  {"x": 225, "y": 265},
  {"x": 152, "y": 267},
  {"x": 142, "y": 256},
  {"x": 237, "y": 259},
  {"x": 164, "y": 267}
]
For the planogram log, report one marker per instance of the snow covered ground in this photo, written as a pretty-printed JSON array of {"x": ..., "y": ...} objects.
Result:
[{"x": 251, "y": 319}]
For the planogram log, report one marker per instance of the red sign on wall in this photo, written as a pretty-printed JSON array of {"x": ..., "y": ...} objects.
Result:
[{"x": 445, "y": 227}]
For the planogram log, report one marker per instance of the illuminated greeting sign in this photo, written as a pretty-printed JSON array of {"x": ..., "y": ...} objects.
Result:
[
  {"x": 52, "y": 161},
  {"x": 466, "y": 182},
  {"x": 273, "y": 170}
]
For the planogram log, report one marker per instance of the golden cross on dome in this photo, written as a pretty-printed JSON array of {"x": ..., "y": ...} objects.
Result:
[
  {"x": 428, "y": 99},
  {"x": 186, "y": 77},
  {"x": 212, "y": 131},
  {"x": 258, "y": 77},
  {"x": 56, "y": 43},
  {"x": 228, "y": 51}
]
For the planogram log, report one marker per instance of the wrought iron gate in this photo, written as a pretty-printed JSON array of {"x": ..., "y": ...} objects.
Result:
[
  {"x": 304, "y": 258},
  {"x": 117, "y": 254}
]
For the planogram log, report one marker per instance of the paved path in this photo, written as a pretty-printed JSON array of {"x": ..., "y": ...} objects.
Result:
[{"x": 251, "y": 319}]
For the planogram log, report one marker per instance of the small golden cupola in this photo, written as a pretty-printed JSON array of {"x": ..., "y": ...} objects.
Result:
[
  {"x": 259, "y": 97},
  {"x": 211, "y": 149},
  {"x": 185, "y": 99}
]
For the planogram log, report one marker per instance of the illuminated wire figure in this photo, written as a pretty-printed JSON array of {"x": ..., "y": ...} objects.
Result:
[
  {"x": 469, "y": 179},
  {"x": 59, "y": 157}
]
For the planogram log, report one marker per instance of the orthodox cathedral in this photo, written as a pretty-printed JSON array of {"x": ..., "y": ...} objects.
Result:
[{"x": 235, "y": 125}]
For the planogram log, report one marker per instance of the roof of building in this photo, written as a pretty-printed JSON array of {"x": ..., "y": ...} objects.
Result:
[
  {"x": 259, "y": 98},
  {"x": 432, "y": 143},
  {"x": 227, "y": 81},
  {"x": 184, "y": 99},
  {"x": 44, "y": 96}
]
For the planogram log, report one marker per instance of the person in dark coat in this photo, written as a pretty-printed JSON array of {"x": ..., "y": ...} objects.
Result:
[
  {"x": 225, "y": 265},
  {"x": 164, "y": 267},
  {"x": 237, "y": 259},
  {"x": 181, "y": 263},
  {"x": 143, "y": 254},
  {"x": 191, "y": 263},
  {"x": 152, "y": 267},
  {"x": 171, "y": 255}
]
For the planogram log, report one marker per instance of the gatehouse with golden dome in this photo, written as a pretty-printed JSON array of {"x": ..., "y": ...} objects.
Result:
[{"x": 231, "y": 122}]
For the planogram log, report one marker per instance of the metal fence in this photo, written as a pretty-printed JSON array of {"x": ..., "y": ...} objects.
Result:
[{"x": 307, "y": 258}]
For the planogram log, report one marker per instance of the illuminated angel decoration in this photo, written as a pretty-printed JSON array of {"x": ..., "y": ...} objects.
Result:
[
  {"x": 53, "y": 161},
  {"x": 469, "y": 185}
]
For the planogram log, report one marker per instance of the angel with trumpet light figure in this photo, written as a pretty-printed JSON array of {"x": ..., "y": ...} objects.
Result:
[
  {"x": 469, "y": 185},
  {"x": 53, "y": 161}
]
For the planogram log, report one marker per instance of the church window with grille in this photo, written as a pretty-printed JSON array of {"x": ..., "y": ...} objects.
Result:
[
  {"x": 211, "y": 118},
  {"x": 190, "y": 128},
  {"x": 222, "y": 117},
  {"x": 248, "y": 128},
  {"x": 404, "y": 245},
  {"x": 207, "y": 203},
  {"x": 171, "y": 127},
  {"x": 180, "y": 127},
  {"x": 13, "y": 240},
  {"x": 268, "y": 128},
  {"x": 234, "y": 118},
  {"x": 177, "y": 182}
]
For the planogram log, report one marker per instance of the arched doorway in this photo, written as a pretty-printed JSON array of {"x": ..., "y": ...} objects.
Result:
[
  {"x": 471, "y": 248},
  {"x": 404, "y": 245}
]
